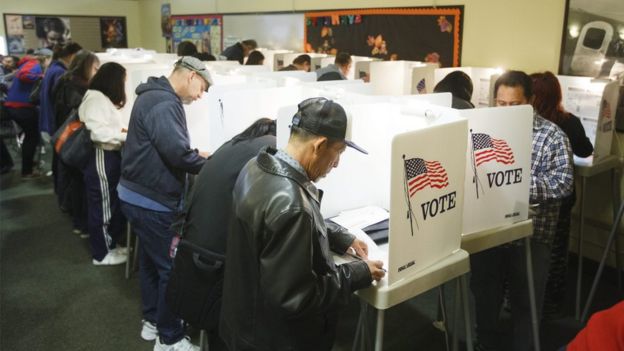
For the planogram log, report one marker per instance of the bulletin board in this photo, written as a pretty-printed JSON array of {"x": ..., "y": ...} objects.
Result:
[
  {"x": 205, "y": 31},
  {"x": 94, "y": 33},
  {"x": 430, "y": 34}
]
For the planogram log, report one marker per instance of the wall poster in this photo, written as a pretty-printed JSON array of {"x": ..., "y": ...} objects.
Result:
[
  {"x": 416, "y": 34},
  {"x": 205, "y": 31}
]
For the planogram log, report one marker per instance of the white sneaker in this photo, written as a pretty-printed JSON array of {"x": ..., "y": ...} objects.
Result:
[
  {"x": 149, "y": 331},
  {"x": 121, "y": 250},
  {"x": 182, "y": 345},
  {"x": 112, "y": 258}
]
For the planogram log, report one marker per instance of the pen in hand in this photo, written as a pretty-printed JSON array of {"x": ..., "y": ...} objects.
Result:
[{"x": 376, "y": 264}]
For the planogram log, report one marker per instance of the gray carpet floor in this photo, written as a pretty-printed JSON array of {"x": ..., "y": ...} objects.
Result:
[{"x": 53, "y": 298}]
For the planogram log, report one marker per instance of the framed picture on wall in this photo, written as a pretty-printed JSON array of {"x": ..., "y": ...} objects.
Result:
[
  {"x": 593, "y": 38},
  {"x": 113, "y": 32}
]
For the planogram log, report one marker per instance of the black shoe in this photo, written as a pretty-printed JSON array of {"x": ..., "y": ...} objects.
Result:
[{"x": 6, "y": 169}]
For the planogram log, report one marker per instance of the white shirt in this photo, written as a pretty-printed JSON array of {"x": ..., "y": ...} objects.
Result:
[{"x": 102, "y": 118}]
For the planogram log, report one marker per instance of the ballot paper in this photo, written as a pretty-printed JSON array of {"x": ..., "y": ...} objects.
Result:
[
  {"x": 361, "y": 217},
  {"x": 354, "y": 221}
]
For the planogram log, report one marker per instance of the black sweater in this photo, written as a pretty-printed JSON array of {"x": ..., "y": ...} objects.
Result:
[{"x": 581, "y": 146}]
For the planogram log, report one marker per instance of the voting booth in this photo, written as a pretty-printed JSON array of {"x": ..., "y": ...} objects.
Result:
[
  {"x": 269, "y": 57},
  {"x": 498, "y": 167},
  {"x": 415, "y": 168},
  {"x": 594, "y": 102},
  {"x": 353, "y": 73},
  {"x": 483, "y": 79},
  {"x": 396, "y": 77},
  {"x": 284, "y": 59}
]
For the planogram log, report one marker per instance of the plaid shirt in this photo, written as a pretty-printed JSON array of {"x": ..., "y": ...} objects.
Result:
[{"x": 551, "y": 176}]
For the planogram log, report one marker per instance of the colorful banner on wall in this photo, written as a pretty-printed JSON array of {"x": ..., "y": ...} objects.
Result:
[
  {"x": 415, "y": 34},
  {"x": 205, "y": 31}
]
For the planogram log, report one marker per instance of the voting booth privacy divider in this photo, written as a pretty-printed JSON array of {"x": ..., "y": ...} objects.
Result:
[
  {"x": 498, "y": 167},
  {"x": 401, "y": 77},
  {"x": 595, "y": 103}
]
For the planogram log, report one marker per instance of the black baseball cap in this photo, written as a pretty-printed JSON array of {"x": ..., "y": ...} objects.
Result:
[{"x": 324, "y": 117}]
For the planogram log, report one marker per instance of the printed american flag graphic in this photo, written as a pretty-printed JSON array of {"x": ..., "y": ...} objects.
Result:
[
  {"x": 422, "y": 87},
  {"x": 486, "y": 149},
  {"x": 421, "y": 174}
]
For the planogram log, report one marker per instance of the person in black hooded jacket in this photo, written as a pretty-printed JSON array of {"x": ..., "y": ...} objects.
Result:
[
  {"x": 155, "y": 161},
  {"x": 67, "y": 95}
]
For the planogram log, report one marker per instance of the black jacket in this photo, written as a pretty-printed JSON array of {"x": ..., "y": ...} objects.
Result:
[
  {"x": 235, "y": 53},
  {"x": 157, "y": 153},
  {"x": 282, "y": 290},
  {"x": 581, "y": 146},
  {"x": 210, "y": 204},
  {"x": 67, "y": 94}
]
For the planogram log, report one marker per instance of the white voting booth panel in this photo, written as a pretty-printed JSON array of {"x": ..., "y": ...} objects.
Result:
[
  {"x": 606, "y": 121},
  {"x": 498, "y": 167},
  {"x": 269, "y": 57},
  {"x": 284, "y": 59},
  {"x": 407, "y": 101},
  {"x": 354, "y": 61},
  {"x": 361, "y": 69},
  {"x": 285, "y": 78},
  {"x": 316, "y": 62},
  {"x": 423, "y": 79},
  {"x": 231, "y": 111},
  {"x": 483, "y": 79},
  {"x": 594, "y": 102},
  {"x": 426, "y": 196},
  {"x": 337, "y": 89},
  {"x": 392, "y": 77}
]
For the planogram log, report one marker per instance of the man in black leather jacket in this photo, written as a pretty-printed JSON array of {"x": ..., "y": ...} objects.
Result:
[{"x": 282, "y": 289}]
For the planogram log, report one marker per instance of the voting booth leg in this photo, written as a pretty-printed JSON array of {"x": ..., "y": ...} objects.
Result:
[
  {"x": 203, "y": 340},
  {"x": 442, "y": 322},
  {"x": 129, "y": 246},
  {"x": 616, "y": 204},
  {"x": 461, "y": 298},
  {"x": 603, "y": 261},
  {"x": 466, "y": 303},
  {"x": 379, "y": 330},
  {"x": 532, "y": 301},
  {"x": 579, "y": 250},
  {"x": 456, "y": 304}
]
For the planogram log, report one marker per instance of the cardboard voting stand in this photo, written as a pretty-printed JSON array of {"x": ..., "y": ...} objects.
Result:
[{"x": 498, "y": 167}]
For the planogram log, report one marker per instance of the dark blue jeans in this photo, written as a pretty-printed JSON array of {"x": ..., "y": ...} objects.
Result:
[
  {"x": 155, "y": 235},
  {"x": 489, "y": 271}
]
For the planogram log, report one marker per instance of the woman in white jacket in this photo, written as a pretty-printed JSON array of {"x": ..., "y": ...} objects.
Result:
[{"x": 99, "y": 111}]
